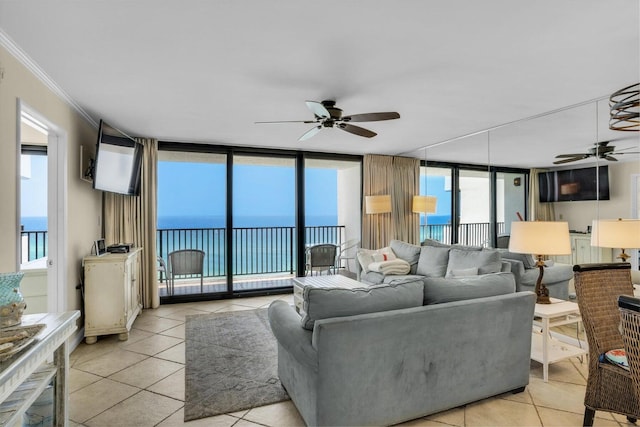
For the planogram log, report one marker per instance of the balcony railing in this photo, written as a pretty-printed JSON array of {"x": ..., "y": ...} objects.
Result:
[{"x": 261, "y": 250}]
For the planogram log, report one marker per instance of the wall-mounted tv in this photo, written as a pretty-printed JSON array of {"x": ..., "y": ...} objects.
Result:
[
  {"x": 574, "y": 184},
  {"x": 118, "y": 161}
]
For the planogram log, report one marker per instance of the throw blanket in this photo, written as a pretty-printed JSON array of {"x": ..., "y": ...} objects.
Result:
[{"x": 394, "y": 266}]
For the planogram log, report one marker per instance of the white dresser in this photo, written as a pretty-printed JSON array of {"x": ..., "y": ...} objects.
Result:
[{"x": 111, "y": 294}]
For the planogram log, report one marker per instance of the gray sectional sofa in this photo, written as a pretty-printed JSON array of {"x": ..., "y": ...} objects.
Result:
[
  {"x": 432, "y": 261},
  {"x": 388, "y": 353}
]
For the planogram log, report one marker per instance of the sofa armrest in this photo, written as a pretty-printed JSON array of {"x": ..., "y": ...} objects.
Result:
[
  {"x": 285, "y": 325},
  {"x": 517, "y": 268}
]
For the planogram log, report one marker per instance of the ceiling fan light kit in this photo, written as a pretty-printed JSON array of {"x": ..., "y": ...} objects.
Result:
[
  {"x": 328, "y": 115},
  {"x": 625, "y": 109}
]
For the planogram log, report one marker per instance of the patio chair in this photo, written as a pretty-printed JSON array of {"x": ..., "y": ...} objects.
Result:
[
  {"x": 321, "y": 258},
  {"x": 347, "y": 253},
  {"x": 186, "y": 262},
  {"x": 609, "y": 387},
  {"x": 162, "y": 270}
]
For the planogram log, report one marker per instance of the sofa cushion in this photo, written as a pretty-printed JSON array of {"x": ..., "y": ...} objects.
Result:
[
  {"x": 323, "y": 303},
  {"x": 433, "y": 261},
  {"x": 528, "y": 260},
  {"x": 407, "y": 252},
  {"x": 367, "y": 256},
  {"x": 487, "y": 261},
  {"x": 439, "y": 290},
  {"x": 372, "y": 278},
  {"x": 437, "y": 244}
]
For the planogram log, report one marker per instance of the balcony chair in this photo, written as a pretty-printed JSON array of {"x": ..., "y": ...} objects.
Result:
[
  {"x": 609, "y": 387},
  {"x": 347, "y": 253},
  {"x": 186, "y": 262},
  {"x": 162, "y": 270},
  {"x": 321, "y": 258}
]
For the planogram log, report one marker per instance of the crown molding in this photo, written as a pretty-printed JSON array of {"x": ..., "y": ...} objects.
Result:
[{"x": 8, "y": 43}]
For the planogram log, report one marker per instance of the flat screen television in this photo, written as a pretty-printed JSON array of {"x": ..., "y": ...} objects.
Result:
[
  {"x": 118, "y": 161},
  {"x": 574, "y": 184}
]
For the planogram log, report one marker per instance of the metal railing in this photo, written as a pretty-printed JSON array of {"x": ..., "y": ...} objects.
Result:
[
  {"x": 256, "y": 250},
  {"x": 261, "y": 250},
  {"x": 33, "y": 245}
]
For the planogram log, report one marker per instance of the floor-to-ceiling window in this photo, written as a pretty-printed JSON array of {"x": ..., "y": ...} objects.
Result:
[
  {"x": 436, "y": 182},
  {"x": 245, "y": 209}
]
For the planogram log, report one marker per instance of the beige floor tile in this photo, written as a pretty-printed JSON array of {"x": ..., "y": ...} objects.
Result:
[
  {"x": 142, "y": 409},
  {"x": 177, "y": 332},
  {"x": 85, "y": 352},
  {"x": 422, "y": 422},
  {"x": 79, "y": 379},
  {"x": 135, "y": 335},
  {"x": 500, "y": 412},
  {"x": 96, "y": 398},
  {"x": 155, "y": 324},
  {"x": 153, "y": 345},
  {"x": 277, "y": 415},
  {"x": 257, "y": 302},
  {"x": 171, "y": 386},
  {"x": 163, "y": 310},
  {"x": 75, "y": 424},
  {"x": 564, "y": 371},
  {"x": 175, "y": 354},
  {"x": 239, "y": 414},
  {"x": 557, "y": 395},
  {"x": 147, "y": 372},
  {"x": 110, "y": 363},
  {"x": 522, "y": 397},
  {"x": 183, "y": 313},
  {"x": 234, "y": 307},
  {"x": 177, "y": 420},
  {"x": 246, "y": 423},
  {"x": 212, "y": 306},
  {"x": 554, "y": 418},
  {"x": 454, "y": 417}
]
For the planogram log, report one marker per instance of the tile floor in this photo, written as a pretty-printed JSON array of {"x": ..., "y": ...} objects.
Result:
[{"x": 140, "y": 382}]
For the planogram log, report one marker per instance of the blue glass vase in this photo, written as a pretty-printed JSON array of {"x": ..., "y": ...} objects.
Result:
[{"x": 12, "y": 303}]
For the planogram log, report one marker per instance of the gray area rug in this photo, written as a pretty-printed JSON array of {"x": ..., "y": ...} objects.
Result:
[{"x": 231, "y": 363}]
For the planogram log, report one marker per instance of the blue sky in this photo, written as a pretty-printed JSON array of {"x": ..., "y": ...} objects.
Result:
[{"x": 197, "y": 189}]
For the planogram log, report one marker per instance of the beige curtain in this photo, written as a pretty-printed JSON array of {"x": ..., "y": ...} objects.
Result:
[
  {"x": 377, "y": 229},
  {"x": 538, "y": 211},
  {"x": 406, "y": 184},
  {"x": 132, "y": 219},
  {"x": 398, "y": 177}
]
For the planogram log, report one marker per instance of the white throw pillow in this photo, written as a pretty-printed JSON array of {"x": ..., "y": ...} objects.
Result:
[{"x": 367, "y": 256}]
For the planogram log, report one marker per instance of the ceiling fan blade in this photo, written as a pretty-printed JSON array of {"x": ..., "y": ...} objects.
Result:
[
  {"x": 573, "y": 159},
  {"x": 308, "y": 134},
  {"x": 611, "y": 159},
  {"x": 288, "y": 121},
  {"x": 372, "y": 117},
  {"x": 617, "y": 153},
  {"x": 318, "y": 109},
  {"x": 356, "y": 130},
  {"x": 559, "y": 156}
]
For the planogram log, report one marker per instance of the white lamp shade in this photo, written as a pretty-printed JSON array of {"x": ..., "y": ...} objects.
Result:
[
  {"x": 377, "y": 204},
  {"x": 424, "y": 204},
  {"x": 616, "y": 233},
  {"x": 540, "y": 238}
]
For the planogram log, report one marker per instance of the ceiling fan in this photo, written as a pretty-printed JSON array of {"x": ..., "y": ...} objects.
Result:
[
  {"x": 601, "y": 149},
  {"x": 328, "y": 115}
]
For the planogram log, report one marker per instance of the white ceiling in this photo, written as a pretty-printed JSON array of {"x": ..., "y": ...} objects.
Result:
[{"x": 205, "y": 71}]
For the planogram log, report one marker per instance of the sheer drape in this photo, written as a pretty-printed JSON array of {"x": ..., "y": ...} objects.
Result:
[
  {"x": 398, "y": 177},
  {"x": 132, "y": 219},
  {"x": 538, "y": 211}
]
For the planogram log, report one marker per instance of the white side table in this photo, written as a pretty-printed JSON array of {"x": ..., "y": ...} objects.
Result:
[{"x": 549, "y": 347}]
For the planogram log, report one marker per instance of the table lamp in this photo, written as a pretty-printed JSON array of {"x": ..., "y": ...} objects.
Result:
[
  {"x": 540, "y": 238},
  {"x": 616, "y": 233},
  {"x": 424, "y": 204}
]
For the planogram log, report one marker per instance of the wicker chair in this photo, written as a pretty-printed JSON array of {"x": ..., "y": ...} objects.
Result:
[
  {"x": 609, "y": 387},
  {"x": 630, "y": 322}
]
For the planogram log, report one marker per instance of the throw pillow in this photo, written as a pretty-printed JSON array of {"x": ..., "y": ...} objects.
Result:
[
  {"x": 439, "y": 290},
  {"x": 366, "y": 256},
  {"x": 436, "y": 243},
  {"x": 324, "y": 303},
  {"x": 407, "y": 252},
  {"x": 488, "y": 261},
  {"x": 433, "y": 261},
  {"x": 617, "y": 357}
]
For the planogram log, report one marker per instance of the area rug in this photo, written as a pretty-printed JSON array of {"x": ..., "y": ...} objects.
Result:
[{"x": 231, "y": 363}]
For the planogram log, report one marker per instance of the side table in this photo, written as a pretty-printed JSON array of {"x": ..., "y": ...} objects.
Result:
[{"x": 549, "y": 347}]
